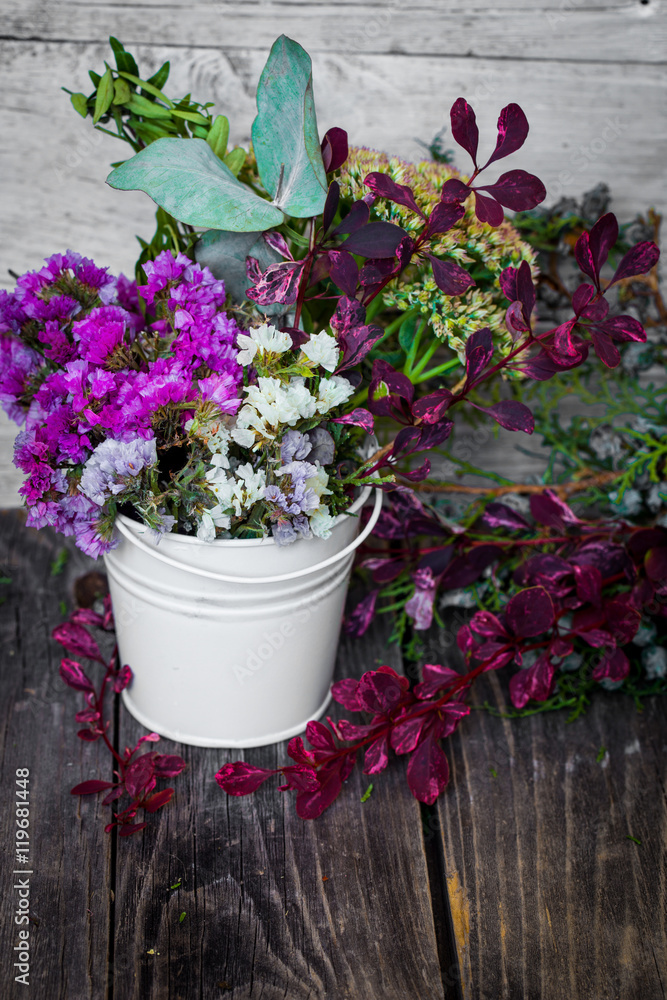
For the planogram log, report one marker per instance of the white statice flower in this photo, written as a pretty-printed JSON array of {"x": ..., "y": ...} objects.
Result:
[
  {"x": 332, "y": 392},
  {"x": 318, "y": 483},
  {"x": 323, "y": 350},
  {"x": 243, "y": 436},
  {"x": 262, "y": 340},
  {"x": 241, "y": 490},
  {"x": 270, "y": 404},
  {"x": 321, "y": 522},
  {"x": 215, "y": 435},
  {"x": 211, "y": 519}
]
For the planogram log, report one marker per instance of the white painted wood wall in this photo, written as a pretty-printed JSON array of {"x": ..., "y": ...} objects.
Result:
[{"x": 590, "y": 75}]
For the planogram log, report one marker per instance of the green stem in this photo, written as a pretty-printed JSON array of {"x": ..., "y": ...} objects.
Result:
[
  {"x": 440, "y": 370},
  {"x": 414, "y": 347},
  {"x": 425, "y": 358}
]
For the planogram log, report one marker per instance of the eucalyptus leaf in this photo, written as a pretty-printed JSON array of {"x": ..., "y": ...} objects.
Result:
[
  {"x": 80, "y": 104},
  {"x": 186, "y": 178},
  {"x": 160, "y": 78},
  {"x": 104, "y": 96},
  {"x": 235, "y": 160},
  {"x": 124, "y": 60},
  {"x": 218, "y": 136},
  {"x": 225, "y": 255},
  {"x": 284, "y": 133}
]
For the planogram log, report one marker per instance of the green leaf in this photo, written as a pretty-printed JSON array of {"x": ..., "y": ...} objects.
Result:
[
  {"x": 199, "y": 132},
  {"x": 218, "y": 136},
  {"x": 225, "y": 255},
  {"x": 139, "y": 105},
  {"x": 124, "y": 61},
  {"x": 191, "y": 116},
  {"x": 235, "y": 160},
  {"x": 367, "y": 794},
  {"x": 121, "y": 91},
  {"x": 160, "y": 78},
  {"x": 149, "y": 132},
  {"x": 59, "y": 563},
  {"x": 186, "y": 178},
  {"x": 284, "y": 133},
  {"x": 148, "y": 87},
  {"x": 406, "y": 333},
  {"x": 104, "y": 96},
  {"x": 95, "y": 77},
  {"x": 80, "y": 104},
  {"x": 182, "y": 917}
]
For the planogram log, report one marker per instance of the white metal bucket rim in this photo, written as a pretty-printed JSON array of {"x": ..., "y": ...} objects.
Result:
[{"x": 280, "y": 578}]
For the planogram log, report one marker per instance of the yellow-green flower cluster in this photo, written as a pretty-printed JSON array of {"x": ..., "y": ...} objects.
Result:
[{"x": 479, "y": 248}]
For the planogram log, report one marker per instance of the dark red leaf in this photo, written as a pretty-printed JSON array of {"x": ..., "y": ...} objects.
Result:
[
  {"x": 299, "y": 778},
  {"x": 535, "y": 682},
  {"x": 428, "y": 771},
  {"x": 406, "y": 733},
  {"x": 359, "y": 417},
  {"x": 605, "y": 349},
  {"x": 167, "y": 765},
  {"x": 77, "y": 640},
  {"x": 376, "y": 757},
  {"x": 380, "y": 690},
  {"x": 499, "y": 515},
  {"x": 127, "y": 829},
  {"x": 359, "y": 620},
  {"x": 655, "y": 563},
  {"x": 139, "y": 776},
  {"x": 547, "y": 508},
  {"x": 85, "y": 616},
  {"x": 585, "y": 259},
  {"x": 87, "y": 715},
  {"x": 479, "y": 351},
  {"x": 464, "y": 127},
  {"x": 349, "y": 313},
  {"x": 454, "y": 190},
  {"x": 355, "y": 344},
  {"x": 355, "y": 219},
  {"x": 445, "y": 215},
  {"x": 517, "y": 189},
  {"x": 91, "y": 787},
  {"x": 334, "y": 149},
  {"x": 377, "y": 239},
  {"x": 122, "y": 679},
  {"x": 512, "y": 132},
  {"x": 383, "y": 186},
  {"x": 112, "y": 796},
  {"x": 239, "y": 778},
  {"x": 511, "y": 415},
  {"x": 279, "y": 283},
  {"x": 435, "y": 678},
  {"x": 582, "y": 297},
  {"x": 638, "y": 260},
  {"x": 330, "y": 205},
  {"x": 344, "y": 271},
  {"x": 157, "y": 800},
  {"x": 430, "y": 409},
  {"x": 73, "y": 675},
  {"x": 310, "y": 805},
  {"x": 488, "y": 210},
  {"x": 88, "y": 736},
  {"x": 602, "y": 237},
  {"x": 624, "y": 328},
  {"x": 615, "y": 666},
  {"x": 449, "y": 276},
  {"x": 278, "y": 243},
  {"x": 530, "y": 612},
  {"x": 320, "y": 737}
]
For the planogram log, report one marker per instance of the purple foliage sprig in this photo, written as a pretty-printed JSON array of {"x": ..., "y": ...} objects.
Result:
[
  {"x": 136, "y": 775},
  {"x": 407, "y": 721}
]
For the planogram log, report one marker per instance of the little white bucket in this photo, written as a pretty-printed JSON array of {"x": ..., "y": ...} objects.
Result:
[{"x": 232, "y": 643}]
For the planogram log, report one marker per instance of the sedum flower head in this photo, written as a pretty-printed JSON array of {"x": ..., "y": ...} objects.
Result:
[{"x": 476, "y": 246}]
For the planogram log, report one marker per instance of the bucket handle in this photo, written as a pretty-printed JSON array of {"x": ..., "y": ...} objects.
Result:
[{"x": 283, "y": 577}]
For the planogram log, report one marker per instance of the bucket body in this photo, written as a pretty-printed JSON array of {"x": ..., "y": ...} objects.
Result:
[{"x": 232, "y": 643}]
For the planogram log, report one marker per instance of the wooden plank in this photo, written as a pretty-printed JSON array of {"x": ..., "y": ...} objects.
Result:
[
  {"x": 276, "y": 907},
  {"x": 10, "y": 477},
  {"x": 549, "y": 897},
  {"x": 54, "y": 165},
  {"x": 69, "y": 852},
  {"x": 631, "y": 32}
]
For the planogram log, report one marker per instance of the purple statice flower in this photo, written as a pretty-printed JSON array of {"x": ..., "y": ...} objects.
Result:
[
  {"x": 90, "y": 540},
  {"x": 61, "y": 268},
  {"x": 287, "y": 531},
  {"x": 221, "y": 389},
  {"x": 127, "y": 297},
  {"x": 166, "y": 381},
  {"x": 17, "y": 364},
  {"x": 101, "y": 332},
  {"x": 58, "y": 347},
  {"x": 294, "y": 446},
  {"x": 12, "y": 315},
  {"x": 164, "y": 525},
  {"x": 112, "y": 464},
  {"x": 162, "y": 271}
]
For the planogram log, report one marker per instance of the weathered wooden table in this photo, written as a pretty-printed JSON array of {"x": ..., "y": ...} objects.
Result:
[{"x": 522, "y": 883}]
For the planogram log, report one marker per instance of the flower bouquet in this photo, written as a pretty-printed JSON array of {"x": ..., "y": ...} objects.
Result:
[{"x": 296, "y": 299}]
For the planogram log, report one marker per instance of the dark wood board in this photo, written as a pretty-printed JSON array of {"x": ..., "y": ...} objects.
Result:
[
  {"x": 338, "y": 907},
  {"x": 549, "y": 897},
  {"x": 69, "y": 852}
]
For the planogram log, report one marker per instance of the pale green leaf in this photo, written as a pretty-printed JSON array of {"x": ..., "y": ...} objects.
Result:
[
  {"x": 186, "y": 178},
  {"x": 191, "y": 116},
  {"x": 148, "y": 87},
  {"x": 121, "y": 91},
  {"x": 218, "y": 136},
  {"x": 104, "y": 96},
  {"x": 80, "y": 104},
  {"x": 284, "y": 133},
  {"x": 235, "y": 160}
]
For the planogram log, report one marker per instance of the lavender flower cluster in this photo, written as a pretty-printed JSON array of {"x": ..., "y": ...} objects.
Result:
[{"x": 100, "y": 388}]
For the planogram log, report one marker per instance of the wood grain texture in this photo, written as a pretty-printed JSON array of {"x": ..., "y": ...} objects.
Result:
[
  {"x": 549, "y": 898},
  {"x": 632, "y": 32},
  {"x": 275, "y": 907},
  {"x": 70, "y": 853}
]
